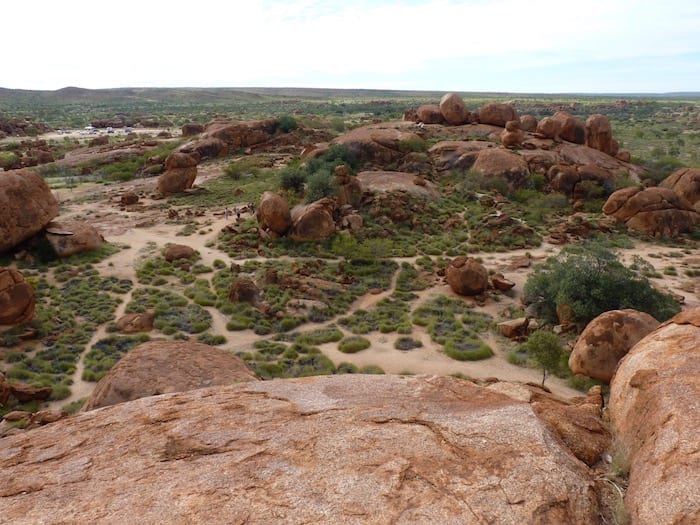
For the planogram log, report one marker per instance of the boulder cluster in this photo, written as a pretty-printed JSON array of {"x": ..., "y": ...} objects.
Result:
[{"x": 216, "y": 139}]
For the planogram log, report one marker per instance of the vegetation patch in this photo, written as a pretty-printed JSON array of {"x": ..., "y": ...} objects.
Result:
[
  {"x": 172, "y": 312},
  {"x": 459, "y": 338},
  {"x": 105, "y": 353}
]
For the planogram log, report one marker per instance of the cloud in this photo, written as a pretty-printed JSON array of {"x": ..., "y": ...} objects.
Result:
[{"x": 312, "y": 42}]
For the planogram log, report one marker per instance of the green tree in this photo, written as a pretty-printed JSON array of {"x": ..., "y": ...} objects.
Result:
[
  {"x": 546, "y": 350},
  {"x": 320, "y": 184},
  {"x": 591, "y": 280}
]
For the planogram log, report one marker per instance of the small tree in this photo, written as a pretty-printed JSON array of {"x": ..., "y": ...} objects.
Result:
[{"x": 545, "y": 349}]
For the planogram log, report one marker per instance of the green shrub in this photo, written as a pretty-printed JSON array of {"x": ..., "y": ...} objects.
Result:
[
  {"x": 287, "y": 123},
  {"x": 590, "y": 280},
  {"x": 407, "y": 343},
  {"x": 347, "y": 368},
  {"x": 292, "y": 179},
  {"x": 244, "y": 166},
  {"x": 211, "y": 339},
  {"x": 320, "y": 336},
  {"x": 353, "y": 344},
  {"x": 321, "y": 183},
  {"x": 371, "y": 369}
]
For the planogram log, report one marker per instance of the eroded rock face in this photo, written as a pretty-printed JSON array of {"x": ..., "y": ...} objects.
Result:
[
  {"x": 655, "y": 408},
  {"x": 606, "y": 340},
  {"x": 467, "y": 276},
  {"x": 164, "y": 367},
  {"x": 654, "y": 211},
  {"x": 273, "y": 213},
  {"x": 314, "y": 221},
  {"x": 70, "y": 237},
  {"x": 454, "y": 109},
  {"x": 17, "y": 298},
  {"x": 336, "y": 449},
  {"x": 26, "y": 206}
]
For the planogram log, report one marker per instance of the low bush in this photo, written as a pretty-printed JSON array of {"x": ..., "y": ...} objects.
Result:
[
  {"x": 353, "y": 344},
  {"x": 407, "y": 343}
]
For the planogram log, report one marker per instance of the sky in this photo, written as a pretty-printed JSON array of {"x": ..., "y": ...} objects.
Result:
[{"x": 515, "y": 46}]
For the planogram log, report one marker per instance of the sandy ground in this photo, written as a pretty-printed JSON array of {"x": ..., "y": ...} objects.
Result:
[{"x": 145, "y": 232}]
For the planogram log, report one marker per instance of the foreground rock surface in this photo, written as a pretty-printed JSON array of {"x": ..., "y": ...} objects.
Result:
[
  {"x": 655, "y": 408},
  {"x": 338, "y": 449},
  {"x": 164, "y": 367}
]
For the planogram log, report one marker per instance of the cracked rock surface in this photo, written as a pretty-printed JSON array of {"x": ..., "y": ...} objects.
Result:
[{"x": 332, "y": 449}]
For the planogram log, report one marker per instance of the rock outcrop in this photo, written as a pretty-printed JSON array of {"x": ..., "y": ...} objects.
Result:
[
  {"x": 337, "y": 449},
  {"x": 467, "y": 276},
  {"x": 164, "y": 367},
  {"x": 70, "y": 237},
  {"x": 26, "y": 206},
  {"x": 655, "y": 409},
  {"x": 377, "y": 144},
  {"x": 383, "y": 181},
  {"x": 17, "y": 299},
  {"x": 606, "y": 340},
  {"x": 273, "y": 213},
  {"x": 655, "y": 211}
]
